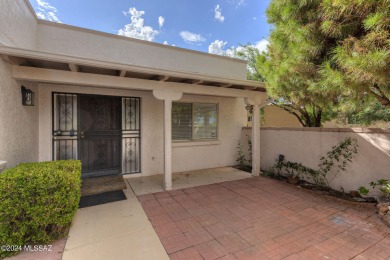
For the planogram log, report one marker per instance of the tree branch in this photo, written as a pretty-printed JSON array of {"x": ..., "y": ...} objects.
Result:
[
  {"x": 385, "y": 101},
  {"x": 284, "y": 107}
]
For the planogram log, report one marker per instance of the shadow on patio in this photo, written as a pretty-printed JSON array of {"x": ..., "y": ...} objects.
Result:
[
  {"x": 259, "y": 218},
  {"x": 154, "y": 183}
]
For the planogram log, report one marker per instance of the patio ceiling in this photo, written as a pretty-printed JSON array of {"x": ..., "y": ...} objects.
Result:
[{"x": 43, "y": 60}]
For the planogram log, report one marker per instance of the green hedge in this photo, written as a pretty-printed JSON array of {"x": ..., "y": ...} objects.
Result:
[{"x": 38, "y": 202}]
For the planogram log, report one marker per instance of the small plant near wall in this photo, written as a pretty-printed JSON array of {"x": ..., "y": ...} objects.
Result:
[
  {"x": 386, "y": 190},
  {"x": 276, "y": 169},
  {"x": 244, "y": 163},
  {"x": 339, "y": 157},
  {"x": 383, "y": 206},
  {"x": 294, "y": 171},
  {"x": 250, "y": 152},
  {"x": 363, "y": 190},
  {"x": 382, "y": 185}
]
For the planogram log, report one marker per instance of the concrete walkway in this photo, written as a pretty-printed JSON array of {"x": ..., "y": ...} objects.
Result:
[
  {"x": 259, "y": 218},
  {"x": 118, "y": 230}
]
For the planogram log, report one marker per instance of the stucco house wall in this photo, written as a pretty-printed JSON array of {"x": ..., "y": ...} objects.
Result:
[
  {"x": 20, "y": 28},
  {"x": 74, "y": 41},
  {"x": 26, "y": 132},
  {"x": 185, "y": 155},
  {"x": 210, "y": 154},
  {"x": 18, "y": 24},
  {"x": 18, "y": 124}
]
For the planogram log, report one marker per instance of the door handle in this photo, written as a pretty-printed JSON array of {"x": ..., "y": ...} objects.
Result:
[{"x": 82, "y": 135}]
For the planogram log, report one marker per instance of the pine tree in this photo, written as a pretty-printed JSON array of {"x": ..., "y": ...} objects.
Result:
[
  {"x": 293, "y": 65},
  {"x": 324, "y": 54},
  {"x": 360, "y": 63}
]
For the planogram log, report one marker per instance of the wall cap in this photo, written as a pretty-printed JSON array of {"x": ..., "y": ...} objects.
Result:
[
  {"x": 195, "y": 143},
  {"x": 326, "y": 130}
]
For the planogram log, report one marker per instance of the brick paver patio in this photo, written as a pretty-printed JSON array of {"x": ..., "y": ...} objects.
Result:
[{"x": 259, "y": 218}]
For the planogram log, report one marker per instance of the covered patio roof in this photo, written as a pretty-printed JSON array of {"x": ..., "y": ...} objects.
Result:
[
  {"x": 166, "y": 85},
  {"x": 28, "y": 59}
]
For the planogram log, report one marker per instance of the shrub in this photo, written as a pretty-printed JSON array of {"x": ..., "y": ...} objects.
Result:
[
  {"x": 243, "y": 163},
  {"x": 382, "y": 184},
  {"x": 338, "y": 158},
  {"x": 38, "y": 202},
  {"x": 296, "y": 169}
]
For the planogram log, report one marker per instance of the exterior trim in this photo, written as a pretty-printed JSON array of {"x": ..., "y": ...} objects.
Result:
[
  {"x": 195, "y": 143},
  {"x": 120, "y": 37},
  {"x": 95, "y": 80},
  {"x": 45, "y": 56},
  {"x": 321, "y": 129}
]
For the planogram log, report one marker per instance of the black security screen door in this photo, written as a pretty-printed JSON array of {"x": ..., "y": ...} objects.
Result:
[
  {"x": 104, "y": 132},
  {"x": 100, "y": 135}
]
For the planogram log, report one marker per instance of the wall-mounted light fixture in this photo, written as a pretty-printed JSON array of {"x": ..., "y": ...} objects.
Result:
[
  {"x": 27, "y": 97},
  {"x": 249, "y": 110}
]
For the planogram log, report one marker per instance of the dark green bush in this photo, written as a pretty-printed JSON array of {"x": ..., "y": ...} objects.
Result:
[{"x": 38, "y": 202}]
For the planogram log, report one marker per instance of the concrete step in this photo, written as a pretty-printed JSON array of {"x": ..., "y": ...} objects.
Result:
[{"x": 99, "y": 185}]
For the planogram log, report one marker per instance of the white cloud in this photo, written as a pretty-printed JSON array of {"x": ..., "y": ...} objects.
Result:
[
  {"x": 231, "y": 52},
  {"x": 217, "y": 47},
  {"x": 237, "y": 3},
  {"x": 218, "y": 14},
  {"x": 191, "y": 38},
  {"x": 167, "y": 43},
  {"x": 137, "y": 28},
  {"x": 262, "y": 45},
  {"x": 47, "y": 12},
  {"x": 161, "y": 21}
]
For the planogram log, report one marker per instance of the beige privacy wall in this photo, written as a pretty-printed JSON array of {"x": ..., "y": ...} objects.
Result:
[
  {"x": 308, "y": 145},
  {"x": 277, "y": 117}
]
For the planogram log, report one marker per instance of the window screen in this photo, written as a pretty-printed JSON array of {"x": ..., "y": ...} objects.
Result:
[
  {"x": 181, "y": 121},
  {"x": 205, "y": 121},
  {"x": 194, "y": 121}
]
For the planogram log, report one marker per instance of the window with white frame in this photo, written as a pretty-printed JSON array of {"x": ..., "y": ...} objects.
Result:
[{"x": 194, "y": 121}]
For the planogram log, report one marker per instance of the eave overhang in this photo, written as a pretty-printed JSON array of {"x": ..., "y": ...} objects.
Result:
[{"x": 58, "y": 62}]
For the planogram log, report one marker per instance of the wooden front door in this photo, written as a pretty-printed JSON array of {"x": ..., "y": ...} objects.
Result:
[{"x": 100, "y": 135}]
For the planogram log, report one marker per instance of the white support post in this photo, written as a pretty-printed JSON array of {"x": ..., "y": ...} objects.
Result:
[
  {"x": 168, "y": 96},
  {"x": 256, "y": 140},
  {"x": 256, "y": 103},
  {"x": 167, "y": 144}
]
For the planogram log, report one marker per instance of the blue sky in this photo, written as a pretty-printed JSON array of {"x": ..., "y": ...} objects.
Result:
[{"x": 203, "y": 25}]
